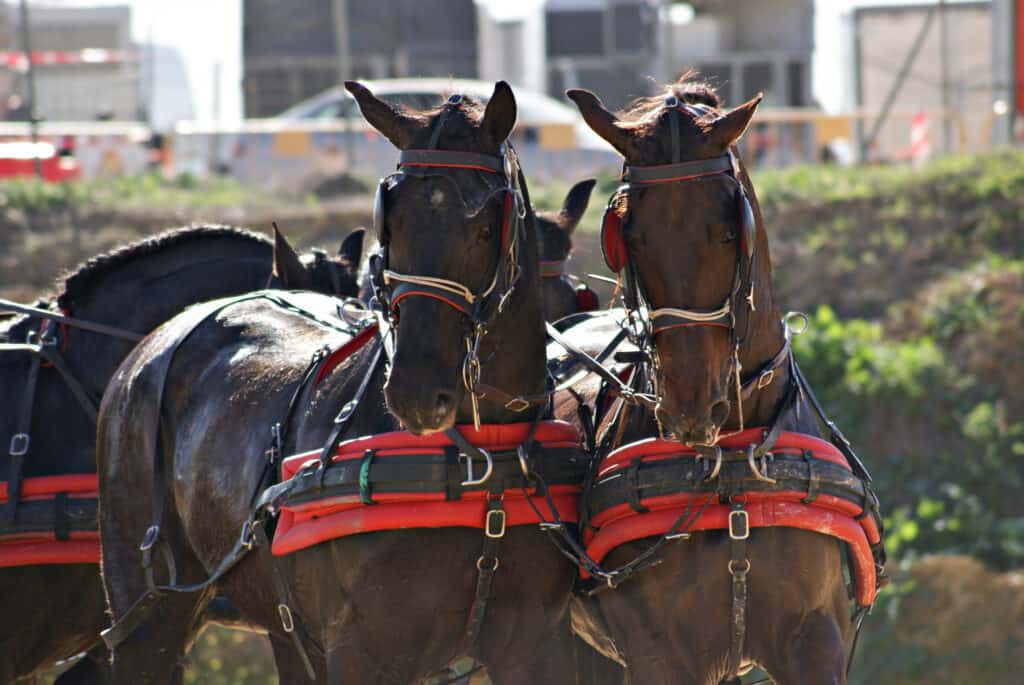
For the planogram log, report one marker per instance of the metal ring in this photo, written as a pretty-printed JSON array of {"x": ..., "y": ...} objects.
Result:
[
  {"x": 799, "y": 316},
  {"x": 744, "y": 571},
  {"x": 482, "y": 568}
]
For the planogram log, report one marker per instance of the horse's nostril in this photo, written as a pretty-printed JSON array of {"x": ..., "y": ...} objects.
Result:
[{"x": 720, "y": 412}]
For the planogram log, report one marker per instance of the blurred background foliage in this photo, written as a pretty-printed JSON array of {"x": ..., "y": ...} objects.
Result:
[{"x": 914, "y": 284}]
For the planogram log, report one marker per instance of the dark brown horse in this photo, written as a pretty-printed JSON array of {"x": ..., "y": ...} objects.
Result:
[
  {"x": 54, "y": 611},
  {"x": 563, "y": 294},
  {"x": 381, "y": 607},
  {"x": 680, "y": 243}
]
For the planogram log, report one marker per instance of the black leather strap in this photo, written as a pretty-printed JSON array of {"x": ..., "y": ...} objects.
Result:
[
  {"x": 20, "y": 442},
  {"x": 450, "y": 158},
  {"x": 663, "y": 173},
  {"x": 486, "y": 566},
  {"x": 739, "y": 566}
]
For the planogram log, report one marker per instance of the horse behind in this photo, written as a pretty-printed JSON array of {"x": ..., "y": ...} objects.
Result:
[{"x": 53, "y": 609}]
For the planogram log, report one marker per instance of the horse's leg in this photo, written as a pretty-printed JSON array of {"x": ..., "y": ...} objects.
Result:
[
  {"x": 813, "y": 657},
  {"x": 91, "y": 669},
  {"x": 555, "y": 663},
  {"x": 353, "y": 662},
  {"x": 290, "y": 667}
]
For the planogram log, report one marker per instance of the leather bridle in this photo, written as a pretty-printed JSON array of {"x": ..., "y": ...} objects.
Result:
[
  {"x": 479, "y": 306},
  {"x": 647, "y": 323}
]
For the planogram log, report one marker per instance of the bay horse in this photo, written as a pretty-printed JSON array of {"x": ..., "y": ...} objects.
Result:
[
  {"x": 563, "y": 294},
  {"x": 53, "y": 609},
  {"x": 703, "y": 604},
  {"x": 458, "y": 278}
]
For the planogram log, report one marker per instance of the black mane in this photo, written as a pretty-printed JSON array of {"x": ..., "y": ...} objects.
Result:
[{"x": 70, "y": 285}]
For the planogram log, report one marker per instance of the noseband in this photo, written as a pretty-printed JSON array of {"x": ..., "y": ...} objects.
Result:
[
  {"x": 741, "y": 292},
  {"x": 479, "y": 306}
]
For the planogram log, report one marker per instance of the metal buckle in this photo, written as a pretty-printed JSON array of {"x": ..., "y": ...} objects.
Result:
[
  {"x": 517, "y": 404},
  {"x": 150, "y": 538},
  {"x": 766, "y": 379},
  {"x": 524, "y": 461},
  {"x": 19, "y": 444},
  {"x": 739, "y": 524},
  {"x": 761, "y": 473},
  {"x": 246, "y": 540},
  {"x": 495, "y": 528},
  {"x": 287, "y": 622},
  {"x": 469, "y": 469},
  {"x": 738, "y": 572}
]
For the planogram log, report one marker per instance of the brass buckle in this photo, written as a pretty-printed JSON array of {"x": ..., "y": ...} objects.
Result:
[
  {"x": 494, "y": 525},
  {"x": 739, "y": 524},
  {"x": 19, "y": 444},
  {"x": 470, "y": 481}
]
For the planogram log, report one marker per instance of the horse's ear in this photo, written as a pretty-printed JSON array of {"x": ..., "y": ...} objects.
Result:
[
  {"x": 397, "y": 127},
  {"x": 351, "y": 250},
  {"x": 603, "y": 122},
  {"x": 287, "y": 266},
  {"x": 575, "y": 204},
  {"x": 727, "y": 129},
  {"x": 500, "y": 115}
]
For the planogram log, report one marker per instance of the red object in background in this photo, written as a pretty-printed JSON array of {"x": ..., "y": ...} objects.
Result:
[{"x": 17, "y": 160}]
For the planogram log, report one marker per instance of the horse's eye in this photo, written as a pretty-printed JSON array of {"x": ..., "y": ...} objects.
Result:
[
  {"x": 730, "y": 235},
  {"x": 485, "y": 231}
]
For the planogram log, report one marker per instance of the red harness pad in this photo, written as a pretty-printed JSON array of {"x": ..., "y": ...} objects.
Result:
[
  {"x": 30, "y": 549},
  {"x": 308, "y": 524},
  {"x": 344, "y": 352},
  {"x": 827, "y": 514}
]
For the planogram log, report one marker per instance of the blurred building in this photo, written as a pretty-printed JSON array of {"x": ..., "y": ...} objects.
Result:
[
  {"x": 949, "y": 76},
  {"x": 293, "y": 50},
  {"x": 86, "y": 66},
  {"x": 607, "y": 46},
  {"x": 748, "y": 47}
]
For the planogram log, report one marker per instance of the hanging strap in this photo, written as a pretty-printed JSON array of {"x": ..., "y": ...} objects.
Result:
[
  {"x": 739, "y": 566},
  {"x": 20, "y": 441}
]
